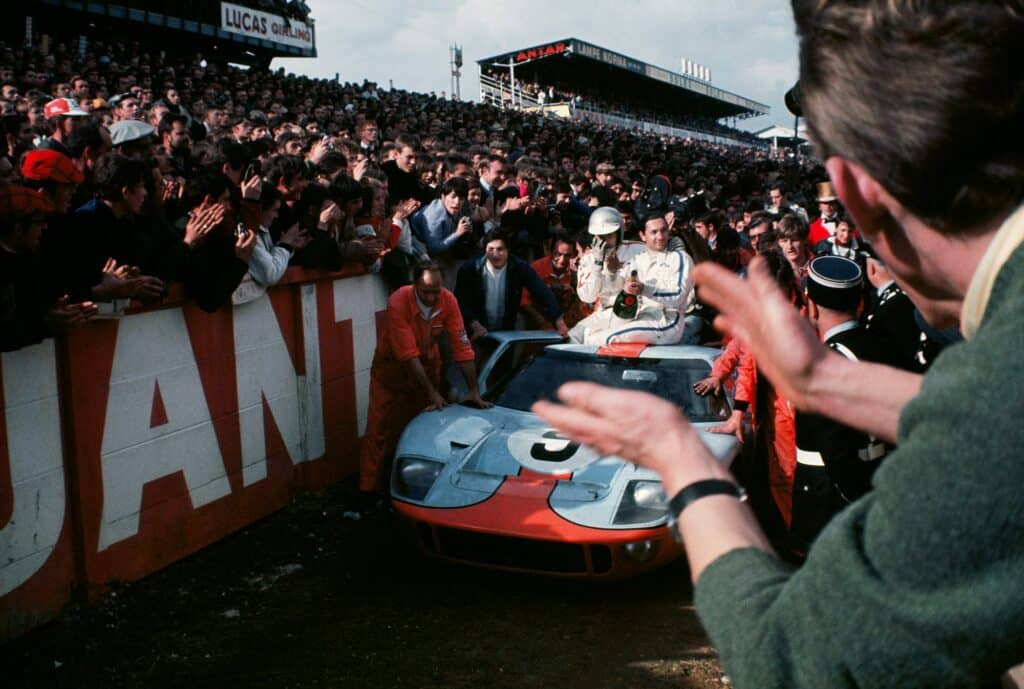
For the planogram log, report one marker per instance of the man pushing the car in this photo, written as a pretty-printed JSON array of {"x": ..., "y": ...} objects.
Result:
[{"x": 405, "y": 378}]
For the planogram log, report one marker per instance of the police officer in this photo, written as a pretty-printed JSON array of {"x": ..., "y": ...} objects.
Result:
[
  {"x": 834, "y": 462},
  {"x": 890, "y": 320}
]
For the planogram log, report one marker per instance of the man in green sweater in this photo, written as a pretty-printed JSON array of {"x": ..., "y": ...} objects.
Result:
[{"x": 917, "y": 111}]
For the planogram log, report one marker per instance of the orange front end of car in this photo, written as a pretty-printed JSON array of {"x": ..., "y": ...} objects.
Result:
[{"x": 516, "y": 529}]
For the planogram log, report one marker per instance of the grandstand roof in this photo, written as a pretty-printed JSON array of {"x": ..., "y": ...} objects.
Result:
[
  {"x": 571, "y": 59},
  {"x": 240, "y": 33}
]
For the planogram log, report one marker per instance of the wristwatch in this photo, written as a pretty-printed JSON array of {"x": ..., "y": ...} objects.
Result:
[{"x": 694, "y": 492}]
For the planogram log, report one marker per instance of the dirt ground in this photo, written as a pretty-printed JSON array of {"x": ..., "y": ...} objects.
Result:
[{"x": 306, "y": 598}]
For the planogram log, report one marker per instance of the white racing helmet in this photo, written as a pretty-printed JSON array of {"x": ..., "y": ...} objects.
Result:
[{"x": 604, "y": 220}]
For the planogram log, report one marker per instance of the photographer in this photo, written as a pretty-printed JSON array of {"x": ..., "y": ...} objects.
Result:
[{"x": 444, "y": 228}]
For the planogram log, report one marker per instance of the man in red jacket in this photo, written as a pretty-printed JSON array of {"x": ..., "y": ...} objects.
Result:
[{"x": 405, "y": 378}]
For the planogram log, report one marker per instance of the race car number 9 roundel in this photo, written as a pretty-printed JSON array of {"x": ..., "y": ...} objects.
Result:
[{"x": 546, "y": 451}]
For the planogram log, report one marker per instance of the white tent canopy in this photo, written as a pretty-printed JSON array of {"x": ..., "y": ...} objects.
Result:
[{"x": 776, "y": 132}]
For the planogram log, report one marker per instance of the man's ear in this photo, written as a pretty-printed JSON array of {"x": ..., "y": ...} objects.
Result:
[{"x": 863, "y": 197}]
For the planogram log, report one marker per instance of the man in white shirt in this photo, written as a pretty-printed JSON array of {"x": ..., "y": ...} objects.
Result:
[{"x": 490, "y": 288}]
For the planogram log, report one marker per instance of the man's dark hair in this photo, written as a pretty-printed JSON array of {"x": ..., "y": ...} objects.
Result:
[
  {"x": 207, "y": 182},
  {"x": 332, "y": 162},
  {"x": 425, "y": 162},
  {"x": 495, "y": 235},
  {"x": 344, "y": 189},
  {"x": 235, "y": 155},
  {"x": 269, "y": 195},
  {"x": 259, "y": 147},
  {"x": 508, "y": 192},
  {"x": 917, "y": 94},
  {"x": 457, "y": 185},
  {"x": 116, "y": 172},
  {"x": 12, "y": 123},
  {"x": 167, "y": 122},
  {"x": 288, "y": 137},
  {"x": 485, "y": 162},
  {"x": 759, "y": 218},
  {"x": 406, "y": 141},
  {"x": 428, "y": 265},
  {"x": 85, "y": 135},
  {"x": 453, "y": 159},
  {"x": 713, "y": 218},
  {"x": 285, "y": 167},
  {"x": 561, "y": 236},
  {"x": 728, "y": 240},
  {"x": 780, "y": 270}
]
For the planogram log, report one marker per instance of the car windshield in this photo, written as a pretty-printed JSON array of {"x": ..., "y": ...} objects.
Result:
[{"x": 670, "y": 379}]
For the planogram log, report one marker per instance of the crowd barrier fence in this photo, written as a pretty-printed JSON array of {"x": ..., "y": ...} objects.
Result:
[{"x": 137, "y": 441}]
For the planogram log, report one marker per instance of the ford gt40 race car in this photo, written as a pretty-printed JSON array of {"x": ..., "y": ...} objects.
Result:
[{"x": 499, "y": 488}]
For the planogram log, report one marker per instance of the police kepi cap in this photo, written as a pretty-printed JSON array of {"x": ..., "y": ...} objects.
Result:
[
  {"x": 834, "y": 282},
  {"x": 47, "y": 165},
  {"x": 127, "y": 131}
]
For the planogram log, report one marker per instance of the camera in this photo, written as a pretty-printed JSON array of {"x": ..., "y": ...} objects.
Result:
[
  {"x": 240, "y": 230},
  {"x": 657, "y": 198},
  {"x": 686, "y": 208}
]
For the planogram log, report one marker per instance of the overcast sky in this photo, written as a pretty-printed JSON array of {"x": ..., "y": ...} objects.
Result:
[{"x": 749, "y": 45}]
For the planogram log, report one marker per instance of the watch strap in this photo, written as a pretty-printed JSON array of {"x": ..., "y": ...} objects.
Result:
[{"x": 695, "y": 491}]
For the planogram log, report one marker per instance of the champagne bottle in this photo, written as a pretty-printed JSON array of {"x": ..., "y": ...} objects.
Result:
[{"x": 626, "y": 305}]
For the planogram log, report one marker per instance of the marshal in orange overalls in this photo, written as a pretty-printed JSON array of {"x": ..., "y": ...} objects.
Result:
[{"x": 395, "y": 396}]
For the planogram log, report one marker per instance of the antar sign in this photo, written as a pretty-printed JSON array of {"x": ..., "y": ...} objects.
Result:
[
  {"x": 541, "y": 51},
  {"x": 167, "y": 430}
]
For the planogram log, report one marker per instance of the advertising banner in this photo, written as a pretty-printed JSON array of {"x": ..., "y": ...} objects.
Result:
[{"x": 269, "y": 27}]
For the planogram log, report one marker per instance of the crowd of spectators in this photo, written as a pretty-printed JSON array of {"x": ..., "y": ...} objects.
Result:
[{"x": 154, "y": 169}]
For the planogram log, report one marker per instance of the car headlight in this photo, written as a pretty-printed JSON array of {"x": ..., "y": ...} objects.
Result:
[
  {"x": 414, "y": 477},
  {"x": 642, "y": 502}
]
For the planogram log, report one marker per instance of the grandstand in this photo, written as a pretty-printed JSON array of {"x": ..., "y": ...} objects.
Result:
[
  {"x": 248, "y": 32},
  {"x": 561, "y": 78}
]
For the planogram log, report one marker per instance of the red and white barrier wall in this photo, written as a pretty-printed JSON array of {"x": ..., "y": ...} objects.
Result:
[{"x": 135, "y": 442}]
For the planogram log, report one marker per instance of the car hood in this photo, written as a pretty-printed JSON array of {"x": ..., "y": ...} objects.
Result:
[{"x": 481, "y": 449}]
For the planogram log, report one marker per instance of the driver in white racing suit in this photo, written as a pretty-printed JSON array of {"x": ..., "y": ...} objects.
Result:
[{"x": 663, "y": 284}]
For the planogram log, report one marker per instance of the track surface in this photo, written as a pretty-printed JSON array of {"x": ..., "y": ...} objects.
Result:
[{"x": 306, "y": 598}]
